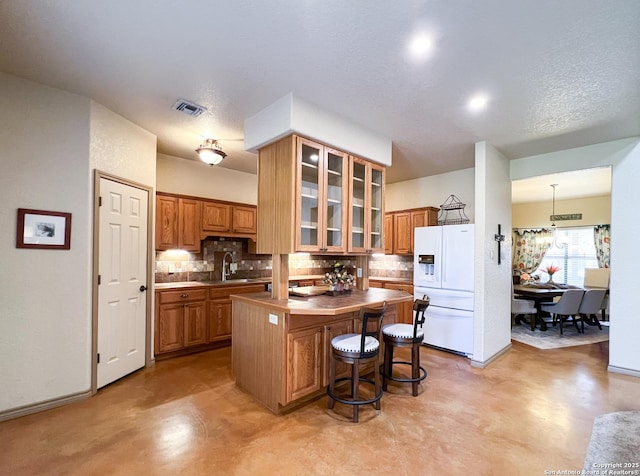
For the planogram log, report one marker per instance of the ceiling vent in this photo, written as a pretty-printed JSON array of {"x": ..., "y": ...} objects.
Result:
[{"x": 189, "y": 108}]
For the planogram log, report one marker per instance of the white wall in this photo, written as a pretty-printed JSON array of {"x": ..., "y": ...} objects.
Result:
[
  {"x": 45, "y": 294},
  {"x": 188, "y": 177},
  {"x": 624, "y": 157},
  {"x": 122, "y": 148},
  {"x": 432, "y": 191},
  {"x": 50, "y": 142},
  {"x": 492, "y": 313}
]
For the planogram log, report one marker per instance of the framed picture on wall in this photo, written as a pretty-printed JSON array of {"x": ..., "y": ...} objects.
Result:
[{"x": 43, "y": 230}]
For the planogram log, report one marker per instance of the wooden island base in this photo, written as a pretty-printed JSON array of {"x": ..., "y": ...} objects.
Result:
[{"x": 281, "y": 347}]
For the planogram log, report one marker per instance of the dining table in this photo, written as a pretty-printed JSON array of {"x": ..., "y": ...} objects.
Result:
[{"x": 540, "y": 293}]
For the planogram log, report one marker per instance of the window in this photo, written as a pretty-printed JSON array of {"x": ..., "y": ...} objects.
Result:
[{"x": 578, "y": 253}]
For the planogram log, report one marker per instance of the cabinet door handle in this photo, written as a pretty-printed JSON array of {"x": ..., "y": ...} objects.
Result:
[{"x": 184, "y": 295}]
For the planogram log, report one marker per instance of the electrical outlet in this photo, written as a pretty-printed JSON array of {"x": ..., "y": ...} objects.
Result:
[
  {"x": 234, "y": 267},
  {"x": 273, "y": 319}
]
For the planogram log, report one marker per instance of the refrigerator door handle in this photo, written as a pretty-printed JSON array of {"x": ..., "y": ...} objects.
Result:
[{"x": 443, "y": 272}]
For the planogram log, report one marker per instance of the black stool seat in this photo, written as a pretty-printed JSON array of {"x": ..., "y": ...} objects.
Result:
[
  {"x": 405, "y": 335},
  {"x": 356, "y": 349}
]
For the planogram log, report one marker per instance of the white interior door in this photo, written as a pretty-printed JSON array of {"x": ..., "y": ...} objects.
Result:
[{"x": 122, "y": 266}]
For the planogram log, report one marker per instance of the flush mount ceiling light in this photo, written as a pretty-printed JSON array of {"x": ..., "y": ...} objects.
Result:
[
  {"x": 420, "y": 46},
  {"x": 210, "y": 152},
  {"x": 477, "y": 103}
]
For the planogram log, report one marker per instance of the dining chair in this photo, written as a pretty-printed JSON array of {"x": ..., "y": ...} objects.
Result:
[
  {"x": 522, "y": 307},
  {"x": 596, "y": 277},
  {"x": 567, "y": 306},
  {"x": 590, "y": 305}
]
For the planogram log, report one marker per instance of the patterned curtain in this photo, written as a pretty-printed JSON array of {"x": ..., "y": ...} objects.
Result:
[
  {"x": 602, "y": 239},
  {"x": 529, "y": 247}
]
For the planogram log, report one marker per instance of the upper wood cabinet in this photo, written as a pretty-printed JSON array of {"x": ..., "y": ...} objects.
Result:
[
  {"x": 400, "y": 241},
  {"x": 366, "y": 211},
  {"x": 166, "y": 222},
  {"x": 321, "y": 194},
  {"x": 177, "y": 223},
  {"x": 183, "y": 222},
  {"x": 388, "y": 234},
  {"x": 219, "y": 217},
  {"x": 216, "y": 216},
  {"x": 244, "y": 219},
  {"x": 305, "y": 199},
  {"x": 189, "y": 224},
  {"x": 402, "y": 233}
]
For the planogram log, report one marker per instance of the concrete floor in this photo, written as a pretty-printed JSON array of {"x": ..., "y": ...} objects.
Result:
[{"x": 530, "y": 411}]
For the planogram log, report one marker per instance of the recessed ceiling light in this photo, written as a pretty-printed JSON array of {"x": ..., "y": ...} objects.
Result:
[
  {"x": 478, "y": 102},
  {"x": 420, "y": 46}
]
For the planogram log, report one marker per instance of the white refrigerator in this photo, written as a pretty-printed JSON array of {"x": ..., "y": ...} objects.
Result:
[{"x": 443, "y": 270}]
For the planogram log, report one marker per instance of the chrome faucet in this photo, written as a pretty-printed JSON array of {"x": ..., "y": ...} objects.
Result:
[{"x": 225, "y": 271}]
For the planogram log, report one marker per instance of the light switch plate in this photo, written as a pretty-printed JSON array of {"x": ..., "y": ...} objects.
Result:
[
  {"x": 273, "y": 319},
  {"x": 358, "y": 272}
]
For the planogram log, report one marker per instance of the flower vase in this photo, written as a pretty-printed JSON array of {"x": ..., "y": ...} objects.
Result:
[{"x": 550, "y": 279}]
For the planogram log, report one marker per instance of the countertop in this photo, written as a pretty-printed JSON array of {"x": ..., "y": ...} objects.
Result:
[
  {"x": 391, "y": 280},
  {"x": 240, "y": 282},
  {"x": 326, "y": 305}
]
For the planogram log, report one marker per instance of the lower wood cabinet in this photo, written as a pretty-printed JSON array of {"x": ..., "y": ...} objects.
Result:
[
  {"x": 195, "y": 323},
  {"x": 219, "y": 319},
  {"x": 303, "y": 358},
  {"x": 180, "y": 319},
  {"x": 331, "y": 331},
  {"x": 309, "y": 351},
  {"x": 405, "y": 309},
  {"x": 169, "y": 328},
  {"x": 195, "y": 319}
]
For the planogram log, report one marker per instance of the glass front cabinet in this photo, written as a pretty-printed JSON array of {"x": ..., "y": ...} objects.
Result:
[
  {"x": 366, "y": 211},
  {"x": 322, "y": 188}
]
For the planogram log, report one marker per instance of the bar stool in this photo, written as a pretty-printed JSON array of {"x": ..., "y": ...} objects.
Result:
[
  {"x": 405, "y": 335},
  {"x": 356, "y": 349}
]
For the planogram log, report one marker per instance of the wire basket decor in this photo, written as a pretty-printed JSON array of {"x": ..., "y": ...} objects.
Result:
[{"x": 452, "y": 212}]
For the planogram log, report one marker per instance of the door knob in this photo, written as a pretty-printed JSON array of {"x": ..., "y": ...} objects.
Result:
[{"x": 143, "y": 288}]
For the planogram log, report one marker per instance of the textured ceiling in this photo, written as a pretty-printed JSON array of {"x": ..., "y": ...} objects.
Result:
[
  {"x": 576, "y": 184},
  {"x": 558, "y": 74}
]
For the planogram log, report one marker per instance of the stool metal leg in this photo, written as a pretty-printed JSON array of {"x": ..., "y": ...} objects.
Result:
[
  {"x": 377, "y": 378},
  {"x": 415, "y": 367},
  {"x": 332, "y": 382},
  {"x": 387, "y": 365},
  {"x": 354, "y": 389}
]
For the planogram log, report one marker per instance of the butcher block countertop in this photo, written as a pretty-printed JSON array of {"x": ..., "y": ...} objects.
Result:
[{"x": 326, "y": 305}]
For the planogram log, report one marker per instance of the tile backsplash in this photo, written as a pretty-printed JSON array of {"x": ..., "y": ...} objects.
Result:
[
  {"x": 178, "y": 266},
  {"x": 391, "y": 266}
]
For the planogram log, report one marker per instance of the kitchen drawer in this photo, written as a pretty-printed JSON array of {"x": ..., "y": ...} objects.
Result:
[{"x": 183, "y": 295}]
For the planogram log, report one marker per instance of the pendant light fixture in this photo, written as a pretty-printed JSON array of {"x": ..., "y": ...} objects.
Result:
[
  {"x": 210, "y": 152},
  {"x": 553, "y": 205},
  {"x": 556, "y": 242}
]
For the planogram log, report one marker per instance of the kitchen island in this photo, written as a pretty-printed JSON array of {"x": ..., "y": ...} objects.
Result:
[{"x": 281, "y": 347}]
